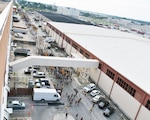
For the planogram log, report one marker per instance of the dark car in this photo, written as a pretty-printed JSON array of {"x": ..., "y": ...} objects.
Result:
[
  {"x": 103, "y": 103},
  {"x": 30, "y": 83},
  {"x": 15, "y": 19},
  {"x": 22, "y": 52},
  {"x": 108, "y": 111},
  {"x": 34, "y": 67},
  {"x": 15, "y": 104},
  {"x": 30, "y": 70},
  {"x": 45, "y": 81}
]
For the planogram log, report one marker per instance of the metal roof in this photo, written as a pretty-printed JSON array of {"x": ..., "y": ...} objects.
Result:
[{"x": 127, "y": 53}]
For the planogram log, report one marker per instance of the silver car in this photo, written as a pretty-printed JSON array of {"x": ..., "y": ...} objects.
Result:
[
  {"x": 94, "y": 93},
  {"x": 15, "y": 104},
  {"x": 97, "y": 98}
]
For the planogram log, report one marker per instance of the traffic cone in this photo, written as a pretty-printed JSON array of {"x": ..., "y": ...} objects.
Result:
[{"x": 29, "y": 113}]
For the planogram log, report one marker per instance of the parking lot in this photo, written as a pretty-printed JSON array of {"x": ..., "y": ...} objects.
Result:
[
  {"x": 39, "y": 111},
  {"x": 80, "y": 106}
]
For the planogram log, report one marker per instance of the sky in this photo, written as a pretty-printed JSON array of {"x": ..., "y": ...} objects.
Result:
[{"x": 135, "y": 9}]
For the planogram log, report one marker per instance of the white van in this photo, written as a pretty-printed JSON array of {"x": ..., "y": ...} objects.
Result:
[{"x": 45, "y": 95}]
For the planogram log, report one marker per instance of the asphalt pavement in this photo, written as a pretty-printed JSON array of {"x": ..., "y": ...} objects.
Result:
[{"x": 45, "y": 111}]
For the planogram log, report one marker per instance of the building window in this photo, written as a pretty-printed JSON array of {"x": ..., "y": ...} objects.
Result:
[
  {"x": 87, "y": 55},
  {"x": 100, "y": 66},
  {"x": 110, "y": 74},
  {"x": 148, "y": 104},
  {"x": 75, "y": 46},
  {"x": 126, "y": 86},
  {"x": 68, "y": 41},
  {"x": 81, "y": 51}
]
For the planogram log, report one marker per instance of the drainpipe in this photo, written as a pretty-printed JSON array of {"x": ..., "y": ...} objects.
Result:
[
  {"x": 99, "y": 77},
  {"x": 139, "y": 108},
  {"x": 99, "y": 74},
  {"x": 112, "y": 85},
  {"x": 111, "y": 89}
]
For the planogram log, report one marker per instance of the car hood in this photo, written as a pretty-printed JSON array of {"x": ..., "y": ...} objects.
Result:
[{"x": 86, "y": 88}]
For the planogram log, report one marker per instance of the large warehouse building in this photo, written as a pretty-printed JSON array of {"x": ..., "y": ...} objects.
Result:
[
  {"x": 123, "y": 72},
  {"x": 124, "y": 66}
]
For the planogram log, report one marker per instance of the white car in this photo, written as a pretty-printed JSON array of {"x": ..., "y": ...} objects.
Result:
[
  {"x": 89, "y": 87},
  {"x": 13, "y": 44},
  {"x": 50, "y": 39},
  {"x": 39, "y": 75},
  {"x": 29, "y": 71},
  {"x": 18, "y": 35},
  {"x": 15, "y": 104},
  {"x": 97, "y": 98},
  {"x": 95, "y": 92}
]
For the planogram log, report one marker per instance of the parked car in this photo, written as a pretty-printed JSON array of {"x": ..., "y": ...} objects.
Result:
[
  {"x": 10, "y": 70},
  {"x": 15, "y": 19},
  {"x": 36, "y": 19},
  {"x": 45, "y": 35},
  {"x": 37, "y": 85},
  {"x": 22, "y": 52},
  {"x": 95, "y": 92},
  {"x": 18, "y": 35},
  {"x": 108, "y": 111},
  {"x": 29, "y": 71},
  {"x": 50, "y": 39},
  {"x": 44, "y": 82},
  {"x": 39, "y": 75},
  {"x": 34, "y": 67},
  {"x": 13, "y": 44},
  {"x": 20, "y": 30},
  {"x": 103, "y": 103},
  {"x": 30, "y": 83},
  {"x": 97, "y": 98},
  {"x": 15, "y": 104},
  {"x": 89, "y": 87}
]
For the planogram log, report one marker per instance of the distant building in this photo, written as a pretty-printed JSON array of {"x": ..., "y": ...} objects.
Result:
[
  {"x": 123, "y": 72},
  {"x": 68, "y": 11}
]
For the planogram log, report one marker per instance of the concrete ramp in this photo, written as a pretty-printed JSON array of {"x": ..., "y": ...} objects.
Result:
[{"x": 53, "y": 61}]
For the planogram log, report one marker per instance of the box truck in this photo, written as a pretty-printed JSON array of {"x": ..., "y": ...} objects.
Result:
[{"x": 45, "y": 95}]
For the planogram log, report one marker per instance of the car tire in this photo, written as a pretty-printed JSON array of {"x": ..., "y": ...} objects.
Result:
[{"x": 42, "y": 100}]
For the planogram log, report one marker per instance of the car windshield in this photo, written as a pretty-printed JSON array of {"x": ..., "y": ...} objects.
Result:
[
  {"x": 101, "y": 104},
  {"x": 94, "y": 91},
  {"x": 107, "y": 111},
  {"x": 16, "y": 102},
  {"x": 97, "y": 97},
  {"x": 20, "y": 103},
  {"x": 88, "y": 86}
]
